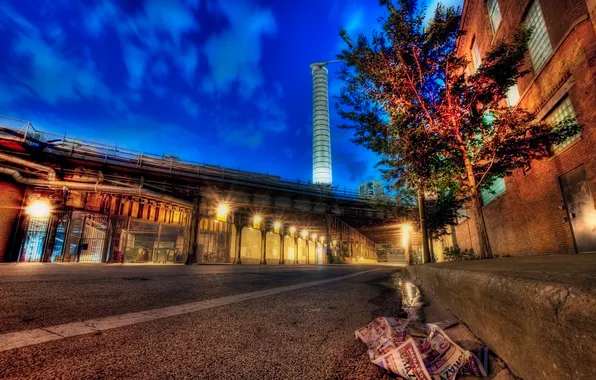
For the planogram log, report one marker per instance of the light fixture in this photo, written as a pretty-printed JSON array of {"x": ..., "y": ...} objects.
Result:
[
  {"x": 304, "y": 234},
  {"x": 322, "y": 238},
  {"x": 277, "y": 225},
  {"x": 257, "y": 218},
  {"x": 314, "y": 236},
  {"x": 222, "y": 212},
  {"x": 39, "y": 209},
  {"x": 292, "y": 229}
]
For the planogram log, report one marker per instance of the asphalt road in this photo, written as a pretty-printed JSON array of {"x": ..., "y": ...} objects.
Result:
[{"x": 304, "y": 333}]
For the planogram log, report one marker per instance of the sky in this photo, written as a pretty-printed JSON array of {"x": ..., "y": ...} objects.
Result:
[{"x": 223, "y": 82}]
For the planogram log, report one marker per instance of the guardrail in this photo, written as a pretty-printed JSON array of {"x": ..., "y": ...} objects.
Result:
[{"x": 66, "y": 146}]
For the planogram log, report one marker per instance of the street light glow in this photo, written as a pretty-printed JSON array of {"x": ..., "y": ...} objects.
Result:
[
  {"x": 304, "y": 234},
  {"x": 292, "y": 229},
  {"x": 39, "y": 209},
  {"x": 277, "y": 225},
  {"x": 222, "y": 209},
  {"x": 314, "y": 236},
  {"x": 257, "y": 218},
  {"x": 405, "y": 238}
]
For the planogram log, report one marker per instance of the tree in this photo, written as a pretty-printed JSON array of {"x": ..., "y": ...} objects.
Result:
[{"x": 408, "y": 96}]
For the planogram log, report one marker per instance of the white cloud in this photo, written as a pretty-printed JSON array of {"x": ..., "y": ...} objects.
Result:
[
  {"x": 234, "y": 55},
  {"x": 135, "y": 60}
]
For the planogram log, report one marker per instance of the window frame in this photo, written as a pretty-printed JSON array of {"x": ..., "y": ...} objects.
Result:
[
  {"x": 540, "y": 36},
  {"x": 491, "y": 13},
  {"x": 563, "y": 146},
  {"x": 493, "y": 195}
]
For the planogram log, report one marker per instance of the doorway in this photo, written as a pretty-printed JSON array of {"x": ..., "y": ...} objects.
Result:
[{"x": 580, "y": 208}]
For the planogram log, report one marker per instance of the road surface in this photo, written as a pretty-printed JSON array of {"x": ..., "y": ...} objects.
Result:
[{"x": 207, "y": 322}]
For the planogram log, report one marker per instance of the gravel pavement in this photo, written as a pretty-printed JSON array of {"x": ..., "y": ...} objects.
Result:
[{"x": 303, "y": 334}]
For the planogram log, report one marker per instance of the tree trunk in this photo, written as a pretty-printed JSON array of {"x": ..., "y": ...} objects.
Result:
[
  {"x": 423, "y": 231},
  {"x": 485, "y": 251}
]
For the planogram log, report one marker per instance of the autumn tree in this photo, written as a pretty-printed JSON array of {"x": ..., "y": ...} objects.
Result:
[{"x": 408, "y": 96}]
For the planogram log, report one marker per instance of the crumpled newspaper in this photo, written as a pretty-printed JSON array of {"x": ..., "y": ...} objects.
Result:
[{"x": 415, "y": 350}]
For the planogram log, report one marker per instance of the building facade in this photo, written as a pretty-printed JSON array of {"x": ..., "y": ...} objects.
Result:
[
  {"x": 371, "y": 189},
  {"x": 548, "y": 206}
]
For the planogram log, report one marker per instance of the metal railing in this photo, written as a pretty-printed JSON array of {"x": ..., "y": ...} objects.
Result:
[{"x": 72, "y": 147}]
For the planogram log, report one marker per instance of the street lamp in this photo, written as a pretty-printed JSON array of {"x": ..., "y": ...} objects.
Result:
[
  {"x": 222, "y": 212},
  {"x": 256, "y": 221},
  {"x": 39, "y": 209},
  {"x": 304, "y": 234}
]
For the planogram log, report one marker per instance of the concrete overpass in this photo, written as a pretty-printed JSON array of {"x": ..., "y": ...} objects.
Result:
[{"x": 106, "y": 189}]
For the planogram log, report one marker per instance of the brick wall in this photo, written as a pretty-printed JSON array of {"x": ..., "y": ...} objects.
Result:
[
  {"x": 10, "y": 204},
  {"x": 529, "y": 218}
]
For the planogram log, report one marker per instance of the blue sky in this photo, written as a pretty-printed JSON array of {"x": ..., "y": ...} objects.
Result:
[{"x": 226, "y": 82}]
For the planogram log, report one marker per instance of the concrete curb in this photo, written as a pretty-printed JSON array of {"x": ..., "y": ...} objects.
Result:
[{"x": 543, "y": 330}]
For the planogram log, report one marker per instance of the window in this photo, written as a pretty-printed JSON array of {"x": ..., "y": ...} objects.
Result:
[
  {"x": 495, "y": 14},
  {"x": 496, "y": 189},
  {"x": 539, "y": 45},
  {"x": 562, "y": 112},
  {"x": 512, "y": 96},
  {"x": 476, "y": 60},
  {"x": 462, "y": 215}
]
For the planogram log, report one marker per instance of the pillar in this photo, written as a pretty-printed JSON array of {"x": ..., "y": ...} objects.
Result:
[
  {"x": 282, "y": 243},
  {"x": 239, "y": 240},
  {"x": 263, "y": 247}
]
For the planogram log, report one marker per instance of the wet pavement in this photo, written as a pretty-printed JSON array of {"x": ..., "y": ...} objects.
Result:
[{"x": 303, "y": 333}]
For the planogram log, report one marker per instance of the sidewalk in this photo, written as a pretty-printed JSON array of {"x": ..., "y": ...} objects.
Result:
[{"x": 537, "y": 313}]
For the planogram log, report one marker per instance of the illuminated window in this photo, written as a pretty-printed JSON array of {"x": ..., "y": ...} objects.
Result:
[
  {"x": 497, "y": 188},
  {"x": 562, "y": 112},
  {"x": 512, "y": 96},
  {"x": 539, "y": 45},
  {"x": 476, "y": 60},
  {"x": 495, "y": 13}
]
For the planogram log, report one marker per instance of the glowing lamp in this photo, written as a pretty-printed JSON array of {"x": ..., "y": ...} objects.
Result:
[
  {"x": 304, "y": 234},
  {"x": 39, "y": 209},
  {"x": 222, "y": 212}
]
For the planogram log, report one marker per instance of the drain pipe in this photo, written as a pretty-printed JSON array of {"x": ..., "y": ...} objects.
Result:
[
  {"x": 19, "y": 161},
  {"x": 93, "y": 187}
]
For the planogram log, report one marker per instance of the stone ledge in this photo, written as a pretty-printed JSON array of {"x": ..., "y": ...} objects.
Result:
[{"x": 544, "y": 327}]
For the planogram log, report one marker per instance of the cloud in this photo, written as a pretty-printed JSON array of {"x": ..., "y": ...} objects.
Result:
[
  {"x": 160, "y": 69},
  {"x": 135, "y": 60},
  {"x": 50, "y": 73},
  {"x": 155, "y": 28},
  {"x": 356, "y": 169},
  {"x": 190, "y": 106},
  {"x": 234, "y": 54},
  {"x": 248, "y": 137},
  {"x": 271, "y": 113}
]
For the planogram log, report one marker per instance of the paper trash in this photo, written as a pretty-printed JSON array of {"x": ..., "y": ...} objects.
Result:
[{"x": 416, "y": 350}]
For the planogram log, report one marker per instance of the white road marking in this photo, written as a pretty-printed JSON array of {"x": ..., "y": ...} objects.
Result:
[{"x": 32, "y": 337}]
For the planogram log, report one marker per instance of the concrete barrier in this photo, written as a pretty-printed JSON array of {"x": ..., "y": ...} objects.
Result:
[{"x": 542, "y": 324}]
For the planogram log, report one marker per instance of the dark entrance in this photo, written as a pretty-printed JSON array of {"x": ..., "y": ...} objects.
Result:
[{"x": 580, "y": 207}]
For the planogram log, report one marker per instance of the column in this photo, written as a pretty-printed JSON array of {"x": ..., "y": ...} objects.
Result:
[
  {"x": 263, "y": 247},
  {"x": 282, "y": 243},
  {"x": 239, "y": 240}
]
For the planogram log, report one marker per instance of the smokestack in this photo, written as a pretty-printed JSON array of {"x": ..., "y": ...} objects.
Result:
[{"x": 321, "y": 135}]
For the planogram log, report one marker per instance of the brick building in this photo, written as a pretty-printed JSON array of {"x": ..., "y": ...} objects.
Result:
[{"x": 547, "y": 207}]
